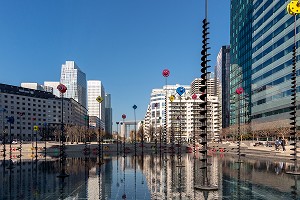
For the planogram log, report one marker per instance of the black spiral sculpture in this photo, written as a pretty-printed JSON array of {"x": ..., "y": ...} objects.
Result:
[
  {"x": 205, "y": 185},
  {"x": 293, "y": 107},
  {"x": 203, "y": 95}
]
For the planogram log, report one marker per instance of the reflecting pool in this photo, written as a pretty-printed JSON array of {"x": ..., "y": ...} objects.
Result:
[{"x": 151, "y": 176}]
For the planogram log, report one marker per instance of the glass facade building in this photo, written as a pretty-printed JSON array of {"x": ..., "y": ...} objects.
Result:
[
  {"x": 240, "y": 58},
  {"x": 222, "y": 77},
  {"x": 75, "y": 81},
  {"x": 273, "y": 40},
  {"x": 108, "y": 114}
]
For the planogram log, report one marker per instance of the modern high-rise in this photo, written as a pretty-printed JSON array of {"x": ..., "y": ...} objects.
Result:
[
  {"x": 75, "y": 81},
  {"x": 95, "y": 89},
  {"x": 273, "y": 40},
  {"x": 108, "y": 114},
  {"x": 240, "y": 58},
  {"x": 222, "y": 72}
]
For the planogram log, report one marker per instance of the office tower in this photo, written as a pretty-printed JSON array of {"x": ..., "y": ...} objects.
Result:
[
  {"x": 273, "y": 40},
  {"x": 34, "y": 86},
  {"x": 75, "y": 81},
  {"x": 240, "y": 58},
  {"x": 95, "y": 89},
  {"x": 108, "y": 114},
  {"x": 222, "y": 71},
  {"x": 51, "y": 86}
]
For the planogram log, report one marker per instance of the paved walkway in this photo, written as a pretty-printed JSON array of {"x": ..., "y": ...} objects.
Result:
[{"x": 248, "y": 149}]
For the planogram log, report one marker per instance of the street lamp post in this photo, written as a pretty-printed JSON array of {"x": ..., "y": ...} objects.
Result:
[
  {"x": 134, "y": 108},
  {"x": 62, "y": 89},
  {"x": 99, "y": 99}
]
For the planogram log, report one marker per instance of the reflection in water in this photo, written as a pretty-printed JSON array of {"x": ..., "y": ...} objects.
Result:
[{"x": 147, "y": 177}]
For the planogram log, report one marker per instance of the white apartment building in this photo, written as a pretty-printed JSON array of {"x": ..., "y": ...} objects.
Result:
[
  {"x": 51, "y": 86},
  {"x": 95, "y": 88},
  {"x": 75, "y": 81},
  {"x": 34, "y": 86},
  {"x": 211, "y": 87},
  {"x": 39, "y": 108},
  {"x": 182, "y": 114}
]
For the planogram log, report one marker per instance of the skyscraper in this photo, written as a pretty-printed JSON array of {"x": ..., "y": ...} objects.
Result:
[
  {"x": 240, "y": 58},
  {"x": 75, "y": 81},
  {"x": 273, "y": 40},
  {"x": 222, "y": 75},
  {"x": 95, "y": 89},
  {"x": 108, "y": 114}
]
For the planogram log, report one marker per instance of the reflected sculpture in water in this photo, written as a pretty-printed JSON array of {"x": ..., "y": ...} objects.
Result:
[{"x": 147, "y": 177}]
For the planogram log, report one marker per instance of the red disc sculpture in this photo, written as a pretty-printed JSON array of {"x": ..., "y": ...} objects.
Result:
[
  {"x": 62, "y": 88},
  {"x": 194, "y": 96},
  {"x": 239, "y": 90},
  {"x": 123, "y": 116},
  {"x": 166, "y": 73}
]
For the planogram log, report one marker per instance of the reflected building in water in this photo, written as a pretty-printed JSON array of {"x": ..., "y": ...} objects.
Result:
[{"x": 148, "y": 177}]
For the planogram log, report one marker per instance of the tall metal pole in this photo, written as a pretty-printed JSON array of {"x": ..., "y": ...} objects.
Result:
[
  {"x": 180, "y": 91},
  {"x": 117, "y": 138},
  {"x": 36, "y": 146},
  {"x": 134, "y": 108},
  {"x": 239, "y": 91},
  {"x": 155, "y": 127},
  {"x": 194, "y": 97},
  {"x": 124, "y": 139},
  {"x": 45, "y": 138},
  {"x": 99, "y": 99},
  {"x": 11, "y": 121},
  {"x": 166, "y": 74},
  {"x": 142, "y": 138},
  {"x": 32, "y": 133},
  {"x": 3, "y": 110},
  {"x": 62, "y": 88}
]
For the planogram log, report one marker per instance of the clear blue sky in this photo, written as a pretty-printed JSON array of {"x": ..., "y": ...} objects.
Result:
[{"x": 124, "y": 43}]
